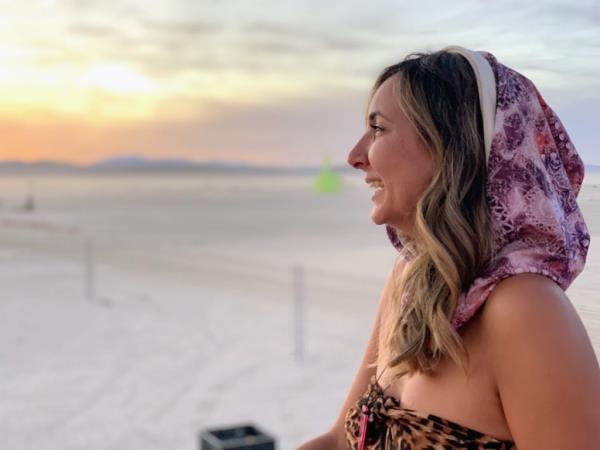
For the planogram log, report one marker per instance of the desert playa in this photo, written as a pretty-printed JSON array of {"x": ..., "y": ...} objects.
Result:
[{"x": 188, "y": 320}]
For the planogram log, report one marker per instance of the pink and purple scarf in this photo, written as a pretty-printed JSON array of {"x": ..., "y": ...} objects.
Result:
[{"x": 534, "y": 175}]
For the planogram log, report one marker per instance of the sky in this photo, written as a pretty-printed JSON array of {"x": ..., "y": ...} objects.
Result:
[{"x": 275, "y": 82}]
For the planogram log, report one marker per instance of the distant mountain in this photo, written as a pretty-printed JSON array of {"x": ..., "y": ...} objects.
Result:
[
  {"x": 12, "y": 166},
  {"x": 592, "y": 168},
  {"x": 136, "y": 163}
]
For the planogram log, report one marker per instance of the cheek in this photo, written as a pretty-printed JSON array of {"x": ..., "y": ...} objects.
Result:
[
  {"x": 407, "y": 185},
  {"x": 385, "y": 160},
  {"x": 405, "y": 167},
  {"x": 421, "y": 172}
]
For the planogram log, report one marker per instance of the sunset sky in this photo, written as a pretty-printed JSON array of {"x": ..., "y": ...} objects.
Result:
[{"x": 262, "y": 81}]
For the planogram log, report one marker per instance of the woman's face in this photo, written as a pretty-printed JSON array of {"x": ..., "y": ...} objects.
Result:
[{"x": 391, "y": 153}]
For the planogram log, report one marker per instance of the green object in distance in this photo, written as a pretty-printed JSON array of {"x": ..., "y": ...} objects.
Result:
[{"x": 328, "y": 181}]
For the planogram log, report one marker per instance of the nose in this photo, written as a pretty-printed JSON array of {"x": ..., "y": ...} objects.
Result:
[{"x": 358, "y": 156}]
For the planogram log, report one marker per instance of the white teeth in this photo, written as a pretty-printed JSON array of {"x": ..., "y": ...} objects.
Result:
[{"x": 376, "y": 185}]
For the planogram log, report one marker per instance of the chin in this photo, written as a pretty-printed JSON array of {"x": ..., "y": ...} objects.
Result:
[
  {"x": 377, "y": 218},
  {"x": 378, "y": 222}
]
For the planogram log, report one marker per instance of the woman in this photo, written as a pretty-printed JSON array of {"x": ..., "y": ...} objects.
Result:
[{"x": 475, "y": 344}]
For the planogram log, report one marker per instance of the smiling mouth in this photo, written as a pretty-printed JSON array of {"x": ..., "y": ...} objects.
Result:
[
  {"x": 377, "y": 191},
  {"x": 376, "y": 184}
]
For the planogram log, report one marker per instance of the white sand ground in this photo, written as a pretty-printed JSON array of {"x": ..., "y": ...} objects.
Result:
[
  {"x": 150, "y": 361},
  {"x": 191, "y": 325}
]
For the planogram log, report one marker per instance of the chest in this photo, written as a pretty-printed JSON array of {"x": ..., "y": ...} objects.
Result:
[{"x": 468, "y": 399}]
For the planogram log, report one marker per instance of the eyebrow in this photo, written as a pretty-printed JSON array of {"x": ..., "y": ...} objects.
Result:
[{"x": 377, "y": 113}]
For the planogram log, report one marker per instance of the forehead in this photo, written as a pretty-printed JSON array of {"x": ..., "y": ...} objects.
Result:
[{"x": 384, "y": 99}]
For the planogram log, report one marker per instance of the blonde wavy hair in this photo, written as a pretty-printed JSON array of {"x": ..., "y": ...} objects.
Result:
[{"x": 451, "y": 238}]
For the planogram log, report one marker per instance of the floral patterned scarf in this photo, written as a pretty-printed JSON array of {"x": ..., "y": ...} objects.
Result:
[{"x": 534, "y": 175}]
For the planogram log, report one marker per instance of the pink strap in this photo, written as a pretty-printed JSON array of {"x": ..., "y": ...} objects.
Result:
[{"x": 363, "y": 427}]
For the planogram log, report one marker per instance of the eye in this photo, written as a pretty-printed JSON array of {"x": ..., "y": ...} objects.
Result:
[{"x": 375, "y": 128}]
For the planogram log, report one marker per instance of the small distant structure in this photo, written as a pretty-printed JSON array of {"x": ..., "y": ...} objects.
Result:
[
  {"x": 327, "y": 181},
  {"x": 29, "y": 204}
]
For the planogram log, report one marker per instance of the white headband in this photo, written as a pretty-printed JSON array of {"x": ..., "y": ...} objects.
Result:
[{"x": 486, "y": 84}]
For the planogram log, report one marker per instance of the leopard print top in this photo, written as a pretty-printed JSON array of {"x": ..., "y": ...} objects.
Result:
[{"x": 392, "y": 427}]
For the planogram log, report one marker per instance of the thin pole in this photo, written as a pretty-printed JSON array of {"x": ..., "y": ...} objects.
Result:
[
  {"x": 89, "y": 267},
  {"x": 298, "y": 310}
]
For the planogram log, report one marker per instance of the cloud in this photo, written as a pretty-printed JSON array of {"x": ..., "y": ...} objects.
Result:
[
  {"x": 580, "y": 12},
  {"x": 165, "y": 39},
  {"x": 294, "y": 37},
  {"x": 299, "y": 131},
  {"x": 185, "y": 29},
  {"x": 295, "y": 78},
  {"x": 92, "y": 30}
]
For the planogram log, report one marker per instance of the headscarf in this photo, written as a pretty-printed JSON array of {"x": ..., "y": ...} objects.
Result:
[{"x": 534, "y": 175}]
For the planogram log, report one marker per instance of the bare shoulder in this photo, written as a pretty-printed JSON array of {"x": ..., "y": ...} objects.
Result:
[
  {"x": 529, "y": 306},
  {"x": 544, "y": 366}
]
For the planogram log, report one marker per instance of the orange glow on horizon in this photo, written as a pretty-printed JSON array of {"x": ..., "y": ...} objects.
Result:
[{"x": 81, "y": 81}]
